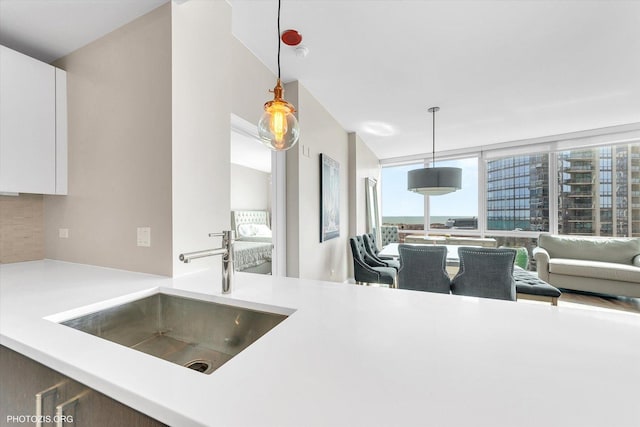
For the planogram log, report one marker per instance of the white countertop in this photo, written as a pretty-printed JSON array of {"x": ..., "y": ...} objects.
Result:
[{"x": 348, "y": 356}]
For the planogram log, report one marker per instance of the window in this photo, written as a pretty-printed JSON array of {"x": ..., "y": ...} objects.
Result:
[
  {"x": 518, "y": 193},
  {"x": 598, "y": 192},
  {"x": 400, "y": 206},
  {"x": 457, "y": 210}
]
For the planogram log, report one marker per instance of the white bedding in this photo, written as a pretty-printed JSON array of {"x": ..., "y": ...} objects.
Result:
[
  {"x": 250, "y": 254},
  {"x": 255, "y": 239},
  {"x": 252, "y": 231}
]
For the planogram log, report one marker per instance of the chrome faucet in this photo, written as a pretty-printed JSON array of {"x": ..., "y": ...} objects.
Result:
[{"x": 228, "y": 269}]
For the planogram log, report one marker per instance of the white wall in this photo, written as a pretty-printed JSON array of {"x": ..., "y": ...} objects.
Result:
[
  {"x": 201, "y": 70},
  {"x": 119, "y": 115},
  {"x": 293, "y": 193},
  {"x": 148, "y": 142},
  {"x": 319, "y": 133},
  {"x": 363, "y": 164},
  {"x": 156, "y": 151},
  {"x": 250, "y": 189},
  {"x": 251, "y": 81}
]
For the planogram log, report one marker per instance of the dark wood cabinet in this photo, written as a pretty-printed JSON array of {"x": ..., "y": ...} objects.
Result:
[{"x": 24, "y": 382}]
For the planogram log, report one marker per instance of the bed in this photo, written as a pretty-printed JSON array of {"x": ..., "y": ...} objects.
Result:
[{"x": 253, "y": 247}]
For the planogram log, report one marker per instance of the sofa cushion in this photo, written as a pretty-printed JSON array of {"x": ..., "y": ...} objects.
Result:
[
  {"x": 595, "y": 269},
  {"x": 604, "y": 249}
]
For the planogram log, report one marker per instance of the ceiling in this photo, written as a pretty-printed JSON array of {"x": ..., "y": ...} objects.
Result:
[
  {"x": 50, "y": 29},
  {"x": 500, "y": 70}
]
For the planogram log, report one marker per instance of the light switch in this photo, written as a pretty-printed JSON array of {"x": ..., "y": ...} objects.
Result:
[
  {"x": 63, "y": 233},
  {"x": 144, "y": 236}
]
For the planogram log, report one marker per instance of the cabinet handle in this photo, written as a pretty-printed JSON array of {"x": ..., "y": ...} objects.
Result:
[
  {"x": 41, "y": 396},
  {"x": 63, "y": 408}
]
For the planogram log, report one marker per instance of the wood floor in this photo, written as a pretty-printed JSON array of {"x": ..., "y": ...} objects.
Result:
[{"x": 587, "y": 300}]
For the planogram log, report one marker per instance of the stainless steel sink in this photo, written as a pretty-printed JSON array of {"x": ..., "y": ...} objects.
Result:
[{"x": 200, "y": 335}]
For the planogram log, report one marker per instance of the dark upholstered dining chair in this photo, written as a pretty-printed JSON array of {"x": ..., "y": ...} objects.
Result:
[
  {"x": 372, "y": 251},
  {"x": 376, "y": 246},
  {"x": 389, "y": 234},
  {"x": 485, "y": 272},
  {"x": 423, "y": 268},
  {"x": 367, "y": 270}
]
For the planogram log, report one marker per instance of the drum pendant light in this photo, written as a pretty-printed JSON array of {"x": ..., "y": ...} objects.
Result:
[
  {"x": 278, "y": 127},
  {"x": 434, "y": 181}
]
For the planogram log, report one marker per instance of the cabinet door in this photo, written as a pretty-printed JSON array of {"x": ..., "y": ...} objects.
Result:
[
  {"x": 27, "y": 124},
  {"x": 23, "y": 378}
]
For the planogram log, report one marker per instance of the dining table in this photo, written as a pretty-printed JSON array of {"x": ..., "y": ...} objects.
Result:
[{"x": 453, "y": 259}]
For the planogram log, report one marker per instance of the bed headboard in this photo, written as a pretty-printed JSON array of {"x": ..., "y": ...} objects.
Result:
[{"x": 249, "y": 217}]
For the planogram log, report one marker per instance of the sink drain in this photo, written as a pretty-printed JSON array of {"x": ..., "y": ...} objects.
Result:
[{"x": 200, "y": 365}]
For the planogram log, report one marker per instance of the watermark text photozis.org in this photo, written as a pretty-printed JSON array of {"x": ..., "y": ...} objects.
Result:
[{"x": 31, "y": 419}]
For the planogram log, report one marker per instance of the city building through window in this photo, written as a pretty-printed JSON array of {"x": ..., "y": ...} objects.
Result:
[
  {"x": 518, "y": 193},
  {"x": 599, "y": 191}
]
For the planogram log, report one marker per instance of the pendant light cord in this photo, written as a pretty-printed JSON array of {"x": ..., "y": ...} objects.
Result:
[
  {"x": 279, "y": 1},
  {"x": 433, "y": 154}
]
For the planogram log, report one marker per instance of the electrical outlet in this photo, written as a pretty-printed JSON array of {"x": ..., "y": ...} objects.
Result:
[
  {"x": 63, "y": 233},
  {"x": 144, "y": 236}
]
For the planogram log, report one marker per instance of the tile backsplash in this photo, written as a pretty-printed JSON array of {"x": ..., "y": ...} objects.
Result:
[{"x": 21, "y": 228}]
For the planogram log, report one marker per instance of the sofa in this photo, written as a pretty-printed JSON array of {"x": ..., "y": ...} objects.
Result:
[{"x": 605, "y": 265}]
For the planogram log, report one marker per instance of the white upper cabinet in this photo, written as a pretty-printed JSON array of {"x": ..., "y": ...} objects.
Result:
[{"x": 33, "y": 128}]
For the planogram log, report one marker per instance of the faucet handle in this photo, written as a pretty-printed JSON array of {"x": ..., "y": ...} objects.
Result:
[{"x": 227, "y": 234}]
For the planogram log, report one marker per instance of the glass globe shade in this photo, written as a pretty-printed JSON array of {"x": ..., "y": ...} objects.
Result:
[{"x": 278, "y": 127}]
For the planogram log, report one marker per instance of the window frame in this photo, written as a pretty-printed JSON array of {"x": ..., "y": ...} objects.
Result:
[
  {"x": 427, "y": 199},
  {"x": 605, "y": 137}
]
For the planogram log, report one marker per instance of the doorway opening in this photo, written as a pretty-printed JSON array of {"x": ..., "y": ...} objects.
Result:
[{"x": 257, "y": 202}]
